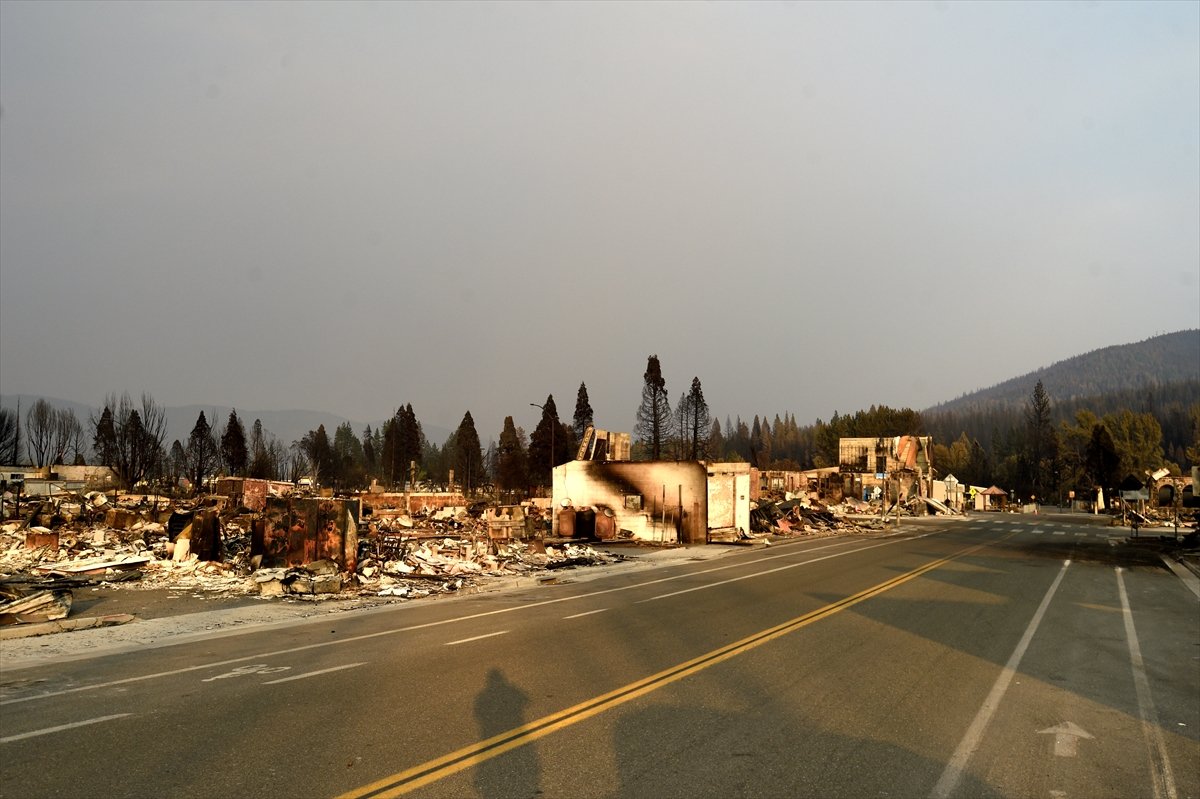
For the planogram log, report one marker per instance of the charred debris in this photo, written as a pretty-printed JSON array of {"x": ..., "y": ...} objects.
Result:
[
  {"x": 256, "y": 542},
  {"x": 257, "y": 538}
]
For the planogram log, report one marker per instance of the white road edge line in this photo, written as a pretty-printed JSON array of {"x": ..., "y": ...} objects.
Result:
[
  {"x": 62, "y": 727},
  {"x": 474, "y": 638},
  {"x": 706, "y": 586},
  {"x": 313, "y": 673},
  {"x": 586, "y": 613},
  {"x": 970, "y": 742},
  {"x": 1160, "y": 765}
]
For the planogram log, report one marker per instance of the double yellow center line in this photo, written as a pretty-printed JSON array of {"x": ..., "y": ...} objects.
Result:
[{"x": 439, "y": 768}]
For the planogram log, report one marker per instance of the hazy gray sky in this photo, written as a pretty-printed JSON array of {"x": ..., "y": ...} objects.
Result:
[{"x": 811, "y": 207}]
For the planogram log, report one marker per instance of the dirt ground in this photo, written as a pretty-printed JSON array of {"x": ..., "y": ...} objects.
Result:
[{"x": 152, "y": 603}]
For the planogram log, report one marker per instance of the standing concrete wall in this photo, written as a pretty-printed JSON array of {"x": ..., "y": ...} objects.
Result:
[
  {"x": 655, "y": 501},
  {"x": 729, "y": 496}
]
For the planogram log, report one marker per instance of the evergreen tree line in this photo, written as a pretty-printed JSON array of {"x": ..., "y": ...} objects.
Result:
[
  {"x": 1170, "y": 404},
  {"x": 397, "y": 454},
  {"x": 1047, "y": 449},
  {"x": 130, "y": 438},
  {"x": 1044, "y": 448},
  {"x": 1039, "y": 449}
]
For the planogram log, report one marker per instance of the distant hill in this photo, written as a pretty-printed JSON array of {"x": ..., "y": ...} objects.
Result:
[
  {"x": 1159, "y": 376},
  {"x": 1158, "y": 362}
]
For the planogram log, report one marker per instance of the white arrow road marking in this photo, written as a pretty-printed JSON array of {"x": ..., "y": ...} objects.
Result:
[
  {"x": 948, "y": 782},
  {"x": 62, "y": 727},
  {"x": 1066, "y": 738}
]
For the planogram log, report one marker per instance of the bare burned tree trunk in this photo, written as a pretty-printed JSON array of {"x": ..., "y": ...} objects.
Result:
[{"x": 39, "y": 438}]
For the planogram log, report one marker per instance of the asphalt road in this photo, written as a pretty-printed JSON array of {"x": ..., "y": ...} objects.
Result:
[{"x": 1014, "y": 656}]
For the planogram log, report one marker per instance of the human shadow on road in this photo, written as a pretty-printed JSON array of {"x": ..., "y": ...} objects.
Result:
[
  {"x": 760, "y": 746},
  {"x": 500, "y": 707}
]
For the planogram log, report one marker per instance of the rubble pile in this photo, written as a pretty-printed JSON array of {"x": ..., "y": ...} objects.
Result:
[
  {"x": 1148, "y": 516},
  {"x": 212, "y": 547},
  {"x": 913, "y": 506},
  {"x": 804, "y": 517}
]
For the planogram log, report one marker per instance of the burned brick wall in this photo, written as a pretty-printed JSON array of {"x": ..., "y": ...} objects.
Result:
[
  {"x": 414, "y": 502},
  {"x": 293, "y": 532},
  {"x": 249, "y": 492}
]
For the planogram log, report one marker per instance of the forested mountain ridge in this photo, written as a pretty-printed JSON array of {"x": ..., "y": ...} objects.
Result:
[
  {"x": 1155, "y": 362},
  {"x": 1145, "y": 396},
  {"x": 1159, "y": 376}
]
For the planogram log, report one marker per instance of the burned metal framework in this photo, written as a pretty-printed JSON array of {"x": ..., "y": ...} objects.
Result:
[
  {"x": 602, "y": 445},
  {"x": 898, "y": 465}
]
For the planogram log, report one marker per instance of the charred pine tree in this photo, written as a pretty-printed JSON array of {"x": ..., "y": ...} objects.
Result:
[
  {"x": 584, "y": 417},
  {"x": 468, "y": 454},
  {"x": 10, "y": 437},
  {"x": 695, "y": 423},
  {"x": 547, "y": 444},
  {"x": 511, "y": 464},
  {"x": 233, "y": 445},
  {"x": 202, "y": 452},
  {"x": 654, "y": 412}
]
